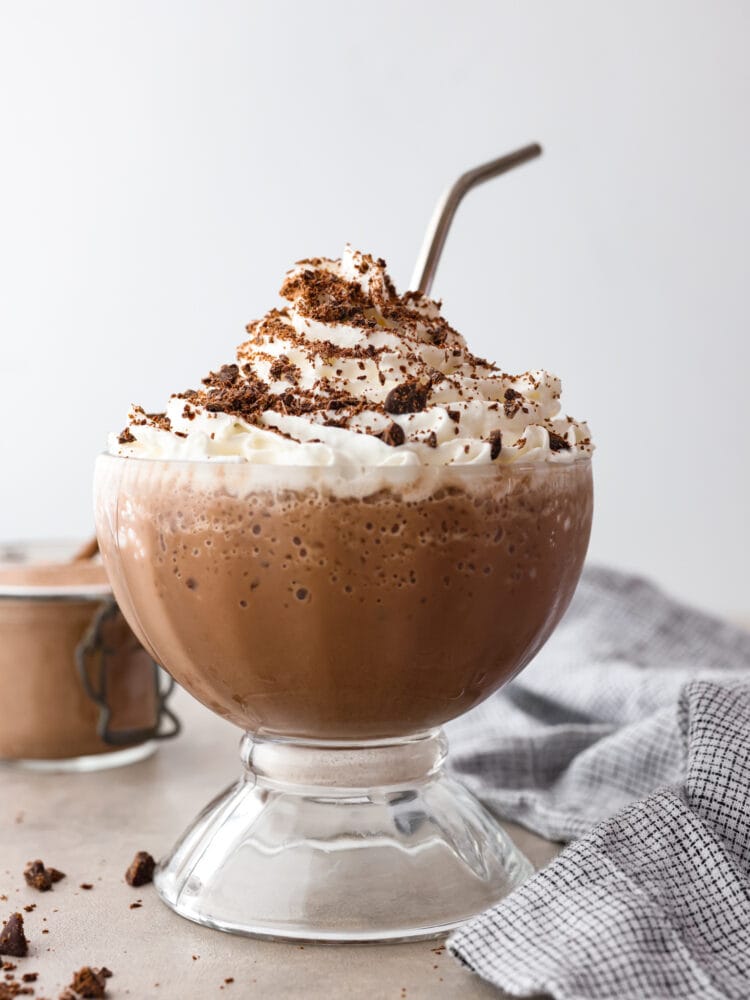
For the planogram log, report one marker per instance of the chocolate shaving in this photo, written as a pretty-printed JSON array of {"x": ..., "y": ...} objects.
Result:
[
  {"x": 283, "y": 369},
  {"x": 393, "y": 435},
  {"x": 160, "y": 420},
  {"x": 226, "y": 375},
  {"x": 557, "y": 442},
  {"x": 326, "y": 297},
  {"x": 496, "y": 444},
  {"x": 513, "y": 403},
  {"x": 126, "y": 437},
  {"x": 408, "y": 397}
]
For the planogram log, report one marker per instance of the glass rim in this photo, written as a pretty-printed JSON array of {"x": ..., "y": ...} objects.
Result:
[
  {"x": 355, "y": 467},
  {"x": 26, "y": 552}
]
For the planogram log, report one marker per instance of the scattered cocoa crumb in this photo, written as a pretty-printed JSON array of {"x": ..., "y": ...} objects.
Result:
[
  {"x": 30, "y": 977},
  {"x": 38, "y": 876},
  {"x": 126, "y": 437},
  {"x": 12, "y": 938},
  {"x": 141, "y": 870},
  {"x": 557, "y": 443},
  {"x": 283, "y": 368},
  {"x": 392, "y": 435},
  {"x": 513, "y": 403},
  {"x": 407, "y": 397},
  {"x": 30, "y": 908},
  {"x": 496, "y": 444},
  {"x": 136, "y": 906},
  {"x": 229, "y": 979},
  {"x": 85, "y": 885}
]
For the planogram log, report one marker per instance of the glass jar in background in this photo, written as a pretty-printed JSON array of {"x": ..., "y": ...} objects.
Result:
[{"x": 79, "y": 691}]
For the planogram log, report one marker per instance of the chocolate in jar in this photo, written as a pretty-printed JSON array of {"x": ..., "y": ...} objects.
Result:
[{"x": 77, "y": 684}]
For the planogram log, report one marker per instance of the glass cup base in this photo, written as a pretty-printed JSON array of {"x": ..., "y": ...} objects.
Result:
[{"x": 341, "y": 842}]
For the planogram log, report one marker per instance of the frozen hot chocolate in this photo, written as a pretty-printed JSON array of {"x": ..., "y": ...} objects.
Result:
[{"x": 358, "y": 529}]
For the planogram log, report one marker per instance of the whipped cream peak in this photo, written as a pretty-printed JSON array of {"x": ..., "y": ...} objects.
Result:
[{"x": 348, "y": 372}]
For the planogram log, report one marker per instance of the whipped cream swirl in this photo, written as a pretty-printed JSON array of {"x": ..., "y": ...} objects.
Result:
[{"x": 349, "y": 373}]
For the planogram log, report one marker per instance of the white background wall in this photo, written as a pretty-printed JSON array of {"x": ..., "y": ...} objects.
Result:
[{"x": 162, "y": 163}]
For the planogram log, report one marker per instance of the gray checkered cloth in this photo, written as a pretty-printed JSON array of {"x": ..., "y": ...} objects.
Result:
[{"x": 630, "y": 731}]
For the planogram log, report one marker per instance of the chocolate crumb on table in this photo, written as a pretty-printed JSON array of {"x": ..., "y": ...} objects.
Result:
[
  {"x": 87, "y": 982},
  {"x": 12, "y": 937},
  {"x": 38, "y": 876},
  {"x": 30, "y": 977},
  {"x": 141, "y": 870},
  {"x": 85, "y": 885},
  {"x": 10, "y": 990}
]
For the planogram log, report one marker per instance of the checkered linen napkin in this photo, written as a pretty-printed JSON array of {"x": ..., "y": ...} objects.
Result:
[{"x": 631, "y": 731}]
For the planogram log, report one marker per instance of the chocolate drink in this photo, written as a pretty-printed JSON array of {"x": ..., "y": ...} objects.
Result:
[
  {"x": 357, "y": 531},
  {"x": 299, "y": 613},
  {"x": 46, "y": 712}
]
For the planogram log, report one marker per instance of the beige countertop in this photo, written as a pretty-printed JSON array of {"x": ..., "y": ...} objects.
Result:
[{"x": 90, "y": 825}]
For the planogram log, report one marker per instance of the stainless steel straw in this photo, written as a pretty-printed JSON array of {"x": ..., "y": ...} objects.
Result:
[{"x": 437, "y": 231}]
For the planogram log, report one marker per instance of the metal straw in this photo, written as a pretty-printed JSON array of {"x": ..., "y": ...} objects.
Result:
[{"x": 437, "y": 231}]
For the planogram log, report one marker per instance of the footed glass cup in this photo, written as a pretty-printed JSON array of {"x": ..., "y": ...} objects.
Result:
[{"x": 340, "y": 619}]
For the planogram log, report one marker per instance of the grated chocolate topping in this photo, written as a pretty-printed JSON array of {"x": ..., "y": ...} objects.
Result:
[{"x": 348, "y": 353}]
